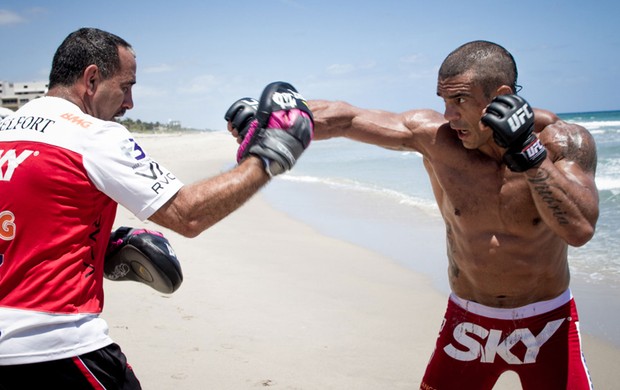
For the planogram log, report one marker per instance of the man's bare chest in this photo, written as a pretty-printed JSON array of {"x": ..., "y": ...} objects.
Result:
[{"x": 479, "y": 195}]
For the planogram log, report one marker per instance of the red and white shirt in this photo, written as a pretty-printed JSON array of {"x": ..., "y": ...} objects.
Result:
[{"x": 62, "y": 174}]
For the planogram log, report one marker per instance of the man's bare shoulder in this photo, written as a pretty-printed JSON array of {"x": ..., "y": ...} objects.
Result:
[
  {"x": 431, "y": 131},
  {"x": 412, "y": 130},
  {"x": 551, "y": 124},
  {"x": 565, "y": 140},
  {"x": 423, "y": 119}
]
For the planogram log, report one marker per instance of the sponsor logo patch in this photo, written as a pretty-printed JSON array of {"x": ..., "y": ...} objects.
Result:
[
  {"x": 474, "y": 342},
  {"x": 10, "y": 160},
  {"x": 7, "y": 225}
]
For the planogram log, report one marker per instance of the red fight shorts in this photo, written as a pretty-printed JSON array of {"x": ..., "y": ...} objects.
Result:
[{"x": 540, "y": 342}]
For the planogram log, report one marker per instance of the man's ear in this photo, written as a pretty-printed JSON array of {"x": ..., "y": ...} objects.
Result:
[
  {"x": 504, "y": 90},
  {"x": 90, "y": 79}
]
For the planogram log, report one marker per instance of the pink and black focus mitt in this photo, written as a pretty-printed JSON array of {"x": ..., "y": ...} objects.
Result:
[{"x": 277, "y": 128}]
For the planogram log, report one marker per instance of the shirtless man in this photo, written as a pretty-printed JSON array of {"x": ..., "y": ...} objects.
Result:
[{"x": 513, "y": 196}]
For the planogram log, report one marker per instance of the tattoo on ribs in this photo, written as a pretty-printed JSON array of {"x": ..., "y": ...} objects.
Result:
[
  {"x": 544, "y": 189},
  {"x": 454, "y": 268}
]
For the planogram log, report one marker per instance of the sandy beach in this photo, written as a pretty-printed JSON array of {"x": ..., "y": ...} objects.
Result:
[{"x": 270, "y": 302}]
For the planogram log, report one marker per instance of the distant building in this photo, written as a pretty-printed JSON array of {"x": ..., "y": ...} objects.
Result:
[
  {"x": 15, "y": 95},
  {"x": 4, "y": 112}
]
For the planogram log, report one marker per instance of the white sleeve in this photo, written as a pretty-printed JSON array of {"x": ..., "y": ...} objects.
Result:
[{"x": 121, "y": 169}]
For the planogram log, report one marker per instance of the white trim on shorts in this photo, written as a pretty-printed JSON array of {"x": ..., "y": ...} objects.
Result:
[{"x": 526, "y": 311}]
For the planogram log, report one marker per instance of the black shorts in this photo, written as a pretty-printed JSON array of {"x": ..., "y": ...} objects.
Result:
[{"x": 105, "y": 368}]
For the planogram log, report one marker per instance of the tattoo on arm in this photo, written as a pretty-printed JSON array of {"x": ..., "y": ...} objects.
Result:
[{"x": 543, "y": 188}]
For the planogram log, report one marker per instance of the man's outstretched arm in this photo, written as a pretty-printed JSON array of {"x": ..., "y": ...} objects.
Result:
[{"x": 400, "y": 131}]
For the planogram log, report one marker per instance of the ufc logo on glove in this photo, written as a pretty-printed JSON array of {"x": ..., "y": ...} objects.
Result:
[
  {"x": 287, "y": 99},
  {"x": 519, "y": 118}
]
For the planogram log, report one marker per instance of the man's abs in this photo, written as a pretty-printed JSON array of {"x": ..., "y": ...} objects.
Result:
[{"x": 497, "y": 282}]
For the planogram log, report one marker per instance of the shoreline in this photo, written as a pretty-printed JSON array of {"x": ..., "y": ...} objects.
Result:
[
  {"x": 397, "y": 231},
  {"x": 269, "y": 300}
]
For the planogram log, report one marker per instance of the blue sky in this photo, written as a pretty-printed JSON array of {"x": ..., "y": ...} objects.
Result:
[{"x": 196, "y": 57}]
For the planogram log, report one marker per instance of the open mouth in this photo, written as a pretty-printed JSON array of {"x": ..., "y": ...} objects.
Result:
[{"x": 461, "y": 133}]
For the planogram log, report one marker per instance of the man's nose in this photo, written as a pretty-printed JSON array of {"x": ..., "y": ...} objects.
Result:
[
  {"x": 450, "y": 113},
  {"x": 128, "y": 102}
]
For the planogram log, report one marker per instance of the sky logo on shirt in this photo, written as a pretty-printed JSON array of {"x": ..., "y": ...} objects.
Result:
[{"x": 10, "y": 160}]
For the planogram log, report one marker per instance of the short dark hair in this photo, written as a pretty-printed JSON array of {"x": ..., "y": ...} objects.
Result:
[
  {"x": 82, "y": 48},
  {"x": 492, "y": 65}
]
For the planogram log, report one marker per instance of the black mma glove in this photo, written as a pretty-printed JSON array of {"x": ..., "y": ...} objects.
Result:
[
  {"x": 241, "y": 114},
  {"x": 280, "y": 130},
  {"x": 143, "y": 256},
  {"x": 512, "y": 121}
]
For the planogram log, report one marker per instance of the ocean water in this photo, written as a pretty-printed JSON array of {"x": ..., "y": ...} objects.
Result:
[
  {"x": 377, "y": 198},
  {"x": 599, "y": 260}
]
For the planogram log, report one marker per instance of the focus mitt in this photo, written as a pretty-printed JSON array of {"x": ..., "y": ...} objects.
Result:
[{"x": 143, "y": 256}]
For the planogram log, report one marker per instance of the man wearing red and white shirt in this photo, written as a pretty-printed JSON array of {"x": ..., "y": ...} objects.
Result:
[{"x": 65, "y": 165}]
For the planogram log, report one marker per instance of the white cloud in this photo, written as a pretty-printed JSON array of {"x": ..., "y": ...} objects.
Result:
[
  {"x": 8, "y": 18},
  {"x": 368, "y": 65},
  {"x": 339, "y": 69},
  {"x": 162, "y": 68},
  {"x": 141, "y": 91},
  {"x": 430, "y": 73},
  {"x": 412, "y": 59},
  {"x": 200, "y": 84},
  {"x": 34, "y": 11}
]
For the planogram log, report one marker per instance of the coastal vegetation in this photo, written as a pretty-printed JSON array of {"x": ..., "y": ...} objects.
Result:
[{"x": 139, "y": 126}]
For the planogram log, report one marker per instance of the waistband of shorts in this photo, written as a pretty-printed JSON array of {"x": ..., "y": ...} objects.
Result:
[{"x": 526, "y": 311}]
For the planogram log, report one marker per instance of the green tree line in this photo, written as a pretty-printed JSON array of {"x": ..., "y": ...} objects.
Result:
[{"x": 138, "y": 126}]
